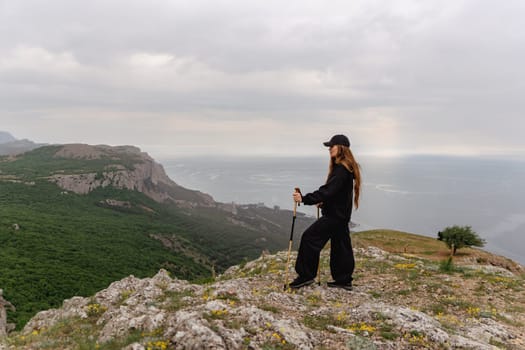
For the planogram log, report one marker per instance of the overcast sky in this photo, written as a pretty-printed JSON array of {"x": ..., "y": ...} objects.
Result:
[{"x": 266, "y": 77}]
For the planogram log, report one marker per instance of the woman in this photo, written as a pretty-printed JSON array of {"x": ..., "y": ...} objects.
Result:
[{"x": 335, "y": 199}]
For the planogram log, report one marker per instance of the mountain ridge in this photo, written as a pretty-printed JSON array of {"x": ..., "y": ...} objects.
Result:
[
  {"x": 75, "y": 218},
  {"x": 6, "y": 137},
  {"x": 142, "y": 174},
  {"x": 9, "y": 145}
]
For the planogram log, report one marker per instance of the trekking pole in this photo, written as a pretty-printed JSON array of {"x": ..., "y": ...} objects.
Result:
[
  {"x": 319, "y": 266},
  {"x": 295, "y": 204}
]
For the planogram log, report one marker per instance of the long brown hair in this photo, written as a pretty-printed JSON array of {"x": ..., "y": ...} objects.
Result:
[{"x": 346, "y": 158}]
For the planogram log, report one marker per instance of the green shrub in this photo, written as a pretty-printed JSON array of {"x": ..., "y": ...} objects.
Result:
[{"x": 457, "y": 237}]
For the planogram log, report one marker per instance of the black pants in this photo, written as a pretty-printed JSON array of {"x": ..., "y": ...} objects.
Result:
[{"x": 315, "y": 237}]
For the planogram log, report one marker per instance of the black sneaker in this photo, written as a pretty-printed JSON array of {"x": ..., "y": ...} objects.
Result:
[
  {"x": 300, "y": 282},
  {"x": 343, "y": 285}
]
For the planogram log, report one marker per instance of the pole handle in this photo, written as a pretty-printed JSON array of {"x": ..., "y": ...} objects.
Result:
[{"x": 298, "y": 190}]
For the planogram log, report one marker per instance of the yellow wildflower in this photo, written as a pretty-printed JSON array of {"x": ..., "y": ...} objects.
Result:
[
  {"x": 404, "y": 266},
  {"x": 220, "y": 312},
  {"x": 473, "y": 311},
  {"x": 362, "y": 327}
]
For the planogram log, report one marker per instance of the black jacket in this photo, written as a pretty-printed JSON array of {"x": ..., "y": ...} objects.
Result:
[{"x": 336, "y": 195}]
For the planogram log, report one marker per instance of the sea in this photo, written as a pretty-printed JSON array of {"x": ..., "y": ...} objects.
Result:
[{"x": 417, "y": 194}]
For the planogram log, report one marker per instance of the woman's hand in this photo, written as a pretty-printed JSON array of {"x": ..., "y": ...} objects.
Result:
[{"x": 297, "y": 197}]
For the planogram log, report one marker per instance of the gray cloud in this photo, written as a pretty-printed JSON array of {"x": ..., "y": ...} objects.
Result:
[{"x": 398, "y": 76}]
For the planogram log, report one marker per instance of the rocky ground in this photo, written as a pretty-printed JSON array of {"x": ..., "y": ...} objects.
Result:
[{"x": 399, "y": 301}]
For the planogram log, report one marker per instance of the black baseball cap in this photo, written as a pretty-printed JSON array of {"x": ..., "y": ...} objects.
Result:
[{"x": 338, "y": 140}]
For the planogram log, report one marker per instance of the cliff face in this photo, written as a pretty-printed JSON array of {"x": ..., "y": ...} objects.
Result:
[
  {"x": 140, "y": 173},
  {"x": 398, "y": 302}
]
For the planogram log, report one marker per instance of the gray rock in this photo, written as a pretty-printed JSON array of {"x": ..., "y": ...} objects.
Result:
[
  {"x": 188, "y": 331},
  {"x": 135, "y": 346},
  {"x": 496, "y": 270},
  {"x": 253, "y": 312},
  {"x": 4, "y": 305}
]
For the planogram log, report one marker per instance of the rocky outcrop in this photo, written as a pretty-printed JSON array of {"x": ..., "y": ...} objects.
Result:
[
  {"x": 247, "y": 308},
  {"x": 132, "y": 170},
  {"x": 4, "y": 306},
  {"x": 84, "y": 151}
]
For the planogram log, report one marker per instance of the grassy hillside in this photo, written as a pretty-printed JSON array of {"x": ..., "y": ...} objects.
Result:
[
  {"x": 428, "y": 248},
  {"x": 69, "y": 245},
  {"x": 56, "y": 244}
]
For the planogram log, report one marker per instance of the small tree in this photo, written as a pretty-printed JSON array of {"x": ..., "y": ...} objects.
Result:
[{"x": 457, "y": 237}]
